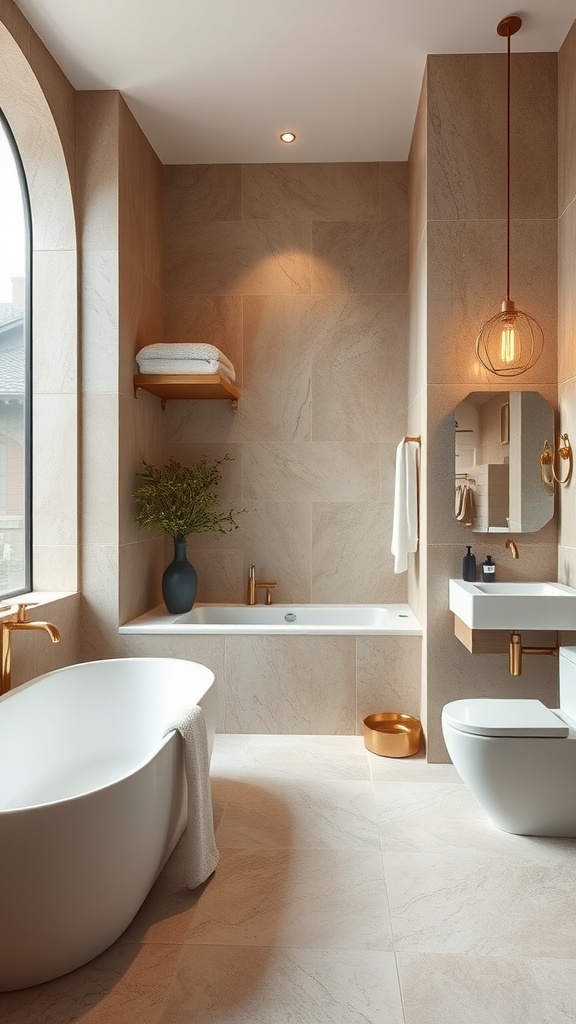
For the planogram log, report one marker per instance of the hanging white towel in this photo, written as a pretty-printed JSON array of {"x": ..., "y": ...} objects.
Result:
[
  {"x": 201, "y": 853},
  {"x": 405, "y": 522}
]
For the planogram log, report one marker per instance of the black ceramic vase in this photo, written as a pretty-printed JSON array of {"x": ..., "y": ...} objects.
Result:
[{"x": 179, "y": 581}]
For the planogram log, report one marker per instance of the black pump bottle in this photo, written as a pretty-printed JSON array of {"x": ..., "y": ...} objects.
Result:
[{"x": 469, "y": 566}]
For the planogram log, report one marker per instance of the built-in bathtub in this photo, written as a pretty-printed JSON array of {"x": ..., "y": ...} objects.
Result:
[
  {"x": 92, "y": 803},
  {"x": 296, "y": 668},
  {"x": 282, "y": 619}
]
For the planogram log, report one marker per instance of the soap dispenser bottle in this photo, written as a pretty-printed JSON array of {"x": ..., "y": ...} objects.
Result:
[
  {"x": 469, "y": 566},
  {"x": 488, "y": 570}
]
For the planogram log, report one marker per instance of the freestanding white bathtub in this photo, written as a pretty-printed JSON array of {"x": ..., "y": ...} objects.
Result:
[{"x": 92, "y": 803}]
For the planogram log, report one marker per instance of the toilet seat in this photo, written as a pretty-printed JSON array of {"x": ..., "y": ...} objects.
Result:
[{"x": 494, "y": 717}]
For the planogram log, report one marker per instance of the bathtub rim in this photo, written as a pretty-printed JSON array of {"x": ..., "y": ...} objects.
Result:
[
  {"x": 159, "y": 621},
  {"x": 138, "y": 766}
]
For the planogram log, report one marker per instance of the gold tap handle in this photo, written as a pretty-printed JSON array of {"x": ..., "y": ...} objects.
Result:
[{"x": 19, "y": 607}]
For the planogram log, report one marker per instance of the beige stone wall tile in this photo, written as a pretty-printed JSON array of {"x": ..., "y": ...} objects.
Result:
[
  {"x": 394, "y": 191},
  {"x": 387, "y": 675},
  {"x": 222, "y": 578},
  {"x": 566, "y": 125},
  {"x": 55, "y": 567},
  {"x": 466, "y": 285},
  {"x": 55, "y": 480},
  {"x": 320, "y": 471},
  {"x": 566, "y": 293},
  {"x": 141, "y": 320},
  {"x": 366, "y": 257},
  {"x": 139, "y": 198},
  {"x": 212, "y": 319},
  {"x": 205, "y": 422},
  {"x": 273, "y": 535},
  {"x": 361, "y": 349},
  {"x": 302, "y": 685},
  {"x": 54, "y": 323},
  {"x": 140, "y": 427},
  {"x": 418, "y": 322},
  {"x": 241, "y": 258},
  {"x": 140, "y": 568},
  {"x": 279, "y": 337},
  {"x": 334, "y": 191},
  {"x": 417, "y": 178},
  {"x": 567, "y": 568},
  {"x": 98, "y": 168},
  {"x": 201, "y": 192},
  {"x": 99, "y": 321},
  {"x": 467, "y": 136},
  {"x": 41, "y": 149},
  {"x": 99, "y": 462},
  {"x": 99, "y": 608},
  {"x": 351, "y": 559},
  {"x": 61, "y": 97}
]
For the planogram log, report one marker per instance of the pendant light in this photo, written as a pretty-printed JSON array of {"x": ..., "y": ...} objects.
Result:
[{"x": 511, "y": 342}]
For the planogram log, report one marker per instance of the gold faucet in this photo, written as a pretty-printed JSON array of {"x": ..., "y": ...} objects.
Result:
[
  {"x": 6, "y": 628},
  {"x": 255, "y": 585},
  {"x": 513, "y": 548}
]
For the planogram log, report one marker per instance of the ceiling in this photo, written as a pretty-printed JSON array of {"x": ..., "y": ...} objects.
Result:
[{"x": 216, "y": 81}]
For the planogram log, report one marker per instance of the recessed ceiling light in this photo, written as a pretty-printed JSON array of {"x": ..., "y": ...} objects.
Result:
[{"x": 288, "y": 137}]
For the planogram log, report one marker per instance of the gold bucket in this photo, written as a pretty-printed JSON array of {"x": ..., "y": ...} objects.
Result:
[{"x": 392, "y": 735}]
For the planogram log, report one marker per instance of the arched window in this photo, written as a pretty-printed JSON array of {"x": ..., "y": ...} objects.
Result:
[{"x": 15, "y": 369}]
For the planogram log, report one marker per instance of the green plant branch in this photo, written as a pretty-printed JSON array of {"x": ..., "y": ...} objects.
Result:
[{"x": 181, "y": 499}]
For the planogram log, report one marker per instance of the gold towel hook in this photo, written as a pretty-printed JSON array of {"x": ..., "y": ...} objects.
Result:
[{"x": 564, "y": 451}]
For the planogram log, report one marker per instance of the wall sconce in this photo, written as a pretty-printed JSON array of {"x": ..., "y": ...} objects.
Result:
[
  {"x": 511, "y": 342},
  {"x": 548, "y": 462}
]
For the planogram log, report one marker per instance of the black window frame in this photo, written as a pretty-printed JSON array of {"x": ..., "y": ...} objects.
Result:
[{"x": 27, "y": 332}]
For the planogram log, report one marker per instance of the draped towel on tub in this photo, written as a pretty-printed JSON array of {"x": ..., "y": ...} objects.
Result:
[
  {"x": 405, "y": 522},
  {"x": 201, "y": 853}
]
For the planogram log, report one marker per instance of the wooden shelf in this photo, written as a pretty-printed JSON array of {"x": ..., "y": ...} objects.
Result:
[{"x": 178, "y": 386}]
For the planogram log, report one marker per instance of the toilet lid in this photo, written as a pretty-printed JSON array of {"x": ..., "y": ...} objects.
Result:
[{"x": 494, "y": 717}]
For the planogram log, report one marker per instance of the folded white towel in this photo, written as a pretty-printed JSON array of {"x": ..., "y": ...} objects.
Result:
[
  {"x": 182, "y": 350},
  {"x": 405, "y": 521},
  {"x": 176, "y": 366},
  {"x": 201, "y": 853}
]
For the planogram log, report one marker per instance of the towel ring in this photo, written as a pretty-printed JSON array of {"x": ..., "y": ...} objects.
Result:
[
  {"x": 548, "y": 462},
  {"x": 565, "y": 452}
]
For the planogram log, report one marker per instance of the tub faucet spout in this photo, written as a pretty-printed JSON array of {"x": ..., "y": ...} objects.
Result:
[
  {"x": 7, "y": 627},
  {"x": 255, "y": 585}
]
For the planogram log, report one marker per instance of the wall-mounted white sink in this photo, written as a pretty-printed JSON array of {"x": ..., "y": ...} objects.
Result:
[{"x": 513, "y": 605}]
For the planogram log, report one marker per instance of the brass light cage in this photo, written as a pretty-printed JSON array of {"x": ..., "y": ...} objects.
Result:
[{"x": 510, "y": 342}]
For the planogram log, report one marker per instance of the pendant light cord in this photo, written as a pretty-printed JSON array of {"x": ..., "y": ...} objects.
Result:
[{"x": 508, "y": 172}]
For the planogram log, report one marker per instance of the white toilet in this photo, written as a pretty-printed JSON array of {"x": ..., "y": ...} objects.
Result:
[{"x": 518, "y": 758}]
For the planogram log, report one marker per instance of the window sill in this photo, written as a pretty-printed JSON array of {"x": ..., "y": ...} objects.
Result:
[{"x": 35, "y": 599}]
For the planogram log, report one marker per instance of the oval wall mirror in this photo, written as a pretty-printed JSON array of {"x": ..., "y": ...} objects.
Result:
[{"x": 498, "y": 482}]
